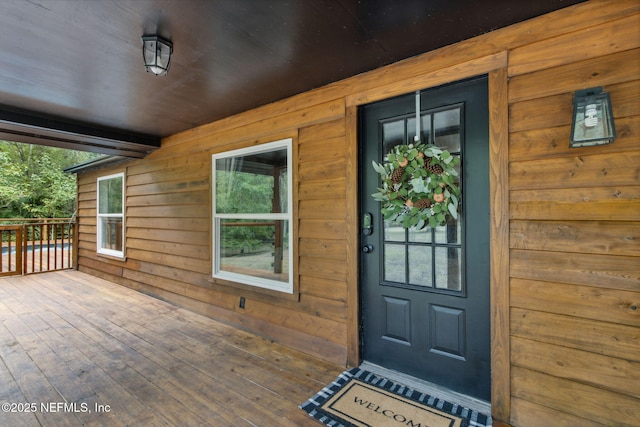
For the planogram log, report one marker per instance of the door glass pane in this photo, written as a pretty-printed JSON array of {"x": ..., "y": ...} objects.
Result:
[
  {"x": 420, "y": 236},
  {"x": 394, "y": 263},
  {"x": 449, "y": 233},
  {"x": 448, "y": 269},
  {"x": 393, "y": 232},
  {"x": 420, "y": 266},
  {"x": 392, "y": 135},
  {"x": 447, "y": 129}
]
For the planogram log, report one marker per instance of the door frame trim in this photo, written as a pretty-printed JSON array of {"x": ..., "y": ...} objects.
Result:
[{"x": 496, "y": 67}]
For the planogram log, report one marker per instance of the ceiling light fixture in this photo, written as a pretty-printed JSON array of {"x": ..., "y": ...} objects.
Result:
[{"x": 156, "y": 53}]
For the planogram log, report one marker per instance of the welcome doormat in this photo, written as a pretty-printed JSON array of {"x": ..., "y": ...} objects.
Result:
[{"x": 360, "y": 398}]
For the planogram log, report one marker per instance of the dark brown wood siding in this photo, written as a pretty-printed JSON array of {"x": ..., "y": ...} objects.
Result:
[{"x": 565, "y": 222}]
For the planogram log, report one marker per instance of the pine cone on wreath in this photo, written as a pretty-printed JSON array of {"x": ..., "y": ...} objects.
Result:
[
  {"x": 436, "y": 169},
  {"x": 422, "y": 204},
  {"x": 396, "y": 175}
]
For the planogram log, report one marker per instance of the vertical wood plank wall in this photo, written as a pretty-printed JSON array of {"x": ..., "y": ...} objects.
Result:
[{"x": 565, "y": 230}]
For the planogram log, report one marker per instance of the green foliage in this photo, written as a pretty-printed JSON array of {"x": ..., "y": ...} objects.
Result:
[{"x": 32, "y": 181}]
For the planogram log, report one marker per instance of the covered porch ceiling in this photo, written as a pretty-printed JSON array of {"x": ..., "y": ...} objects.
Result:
[{"x": 72, "y": 75}]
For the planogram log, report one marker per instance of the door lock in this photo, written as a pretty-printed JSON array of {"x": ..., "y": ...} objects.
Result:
[
  {"x": 367, "y": 249},
  {"x": 367, "y": 224}
]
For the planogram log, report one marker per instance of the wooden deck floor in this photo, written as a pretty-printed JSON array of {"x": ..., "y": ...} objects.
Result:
[{"x": 78, "y": 350}]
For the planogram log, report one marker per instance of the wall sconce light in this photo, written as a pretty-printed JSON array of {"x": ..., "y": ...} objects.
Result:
[
  {"x": 156, "y": 53},
  {"x": 592, "y": 118}
]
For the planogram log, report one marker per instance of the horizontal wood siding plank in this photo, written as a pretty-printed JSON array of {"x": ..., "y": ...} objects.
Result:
[
  {"x": 326, "y": 329},
  {"x": 322, "y": 229},
  {"x": 88, "y": 213},
  {"x": 525, "y": 413},
  {"x": 186, "y": 199},
  {"x": 325, "y": 189},
  {"x": 327, "y": 308},
  {"x": 202, "y": 266},
  {"x": 607, "y": 271},
  {"x": 174, "y": 176},
  {"x": 169, "y": 273},
  {"x": 603, "y": 170},
  {"x": 179, "y": 225},
  {"x": 180, "y": 249},
  {"x": 197, "y": 184},
  {"x": 100, "y": 268},
  {"x": 554, "y": 142},
  {"x": 322, "y": 131},
  {"x": 605, "y": 338},
  {"x": 172, "y": 211},
  {"x": 196, "y": 238},
  {"x": 603, "y": 406},
  {"x": 144, "y": 167},
  {"x": 616, "y": 36},
  {"x": 323, "y": 208},
  {"x": 593, "y": 237},
  {"x": 323, "y": 248},
  {"x": 320, "y": 171},
  {"x": 326, "y": 269},
  {"x": 602, "y": 71},
  {"x": 587, "y": 204},
  {"x": 587, "y": 302},
  {"x": 317, "y": 286},
  {"x": 537, "y": 113},
  {"x": 557, "y": 110},
  {"x": 168, "y": 284},
  {"x": 608, "y": 373},
  {"x": 322, "y": 150}
]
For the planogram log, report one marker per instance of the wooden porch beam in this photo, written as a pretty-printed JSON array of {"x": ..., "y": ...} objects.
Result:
[{"x": 31, "y": 128}]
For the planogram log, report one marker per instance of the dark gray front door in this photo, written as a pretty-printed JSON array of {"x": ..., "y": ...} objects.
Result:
[{"x": 425, "y": 293}]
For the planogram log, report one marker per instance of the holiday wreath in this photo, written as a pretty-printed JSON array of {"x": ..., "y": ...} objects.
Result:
[{"x": 418, "y": 186}]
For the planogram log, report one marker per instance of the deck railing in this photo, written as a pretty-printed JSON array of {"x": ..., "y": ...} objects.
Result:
[{"x": 36, "y": 245}]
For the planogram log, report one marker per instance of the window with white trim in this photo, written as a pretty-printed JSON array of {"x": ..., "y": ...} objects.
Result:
[
  {"x": 252, "y": 218},
  {"x": 110, "y": 215}
]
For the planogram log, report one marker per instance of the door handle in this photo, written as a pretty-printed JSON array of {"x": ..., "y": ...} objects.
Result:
[{"x": 367, "y": 249}]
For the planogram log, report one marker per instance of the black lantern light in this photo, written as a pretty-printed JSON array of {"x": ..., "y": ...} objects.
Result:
[
  {"x": 156, "y": 53},
  {"x": 592, "y": 118}
]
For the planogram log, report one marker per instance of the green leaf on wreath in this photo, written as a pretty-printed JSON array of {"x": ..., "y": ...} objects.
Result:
[{"x": 453, "y": 211}]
